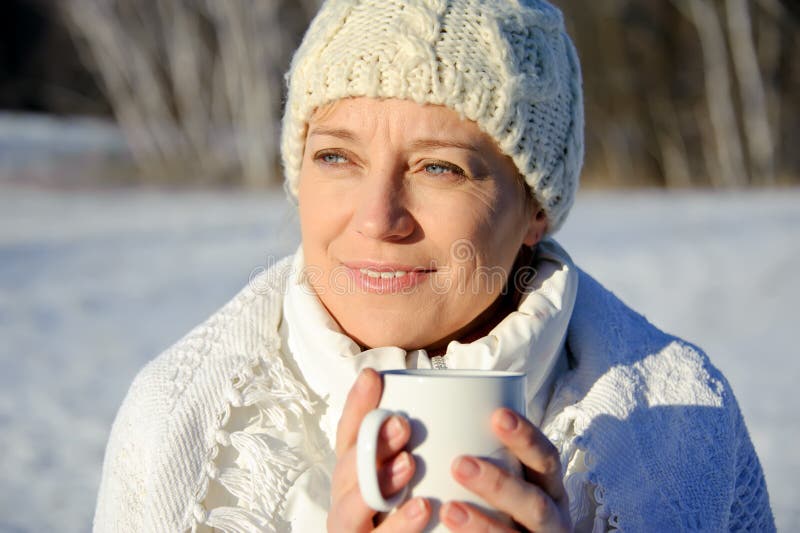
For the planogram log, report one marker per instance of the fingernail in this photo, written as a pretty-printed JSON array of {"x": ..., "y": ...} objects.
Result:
[
  {"x": 394, "y": 428},
  {"x": 414, "y": 508},
  {"x": 467, "y": 467},
  {"x": 361, "y": 381},
  {"x": 401, "y": 464},
  {"x": 455, "y": 514},
  {"x": 508, "y": 421}
]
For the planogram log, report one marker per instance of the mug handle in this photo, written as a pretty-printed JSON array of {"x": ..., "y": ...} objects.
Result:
[{"x": 366, "y": 459}]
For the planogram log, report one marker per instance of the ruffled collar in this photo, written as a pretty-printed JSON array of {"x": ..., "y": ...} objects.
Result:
[{"x": 529, "y": 340}]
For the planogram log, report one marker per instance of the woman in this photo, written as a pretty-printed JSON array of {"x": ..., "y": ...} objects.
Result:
[{"x": 434, "y": 147}]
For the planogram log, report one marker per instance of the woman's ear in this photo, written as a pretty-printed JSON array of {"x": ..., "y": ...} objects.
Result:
[{"x": 537, "y": 227}]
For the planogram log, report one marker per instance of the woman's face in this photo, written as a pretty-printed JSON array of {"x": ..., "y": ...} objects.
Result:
[{"x": 411, "y": 219}]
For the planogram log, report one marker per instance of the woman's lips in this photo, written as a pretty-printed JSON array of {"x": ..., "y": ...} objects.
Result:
[{"x": 386, "y": 278}]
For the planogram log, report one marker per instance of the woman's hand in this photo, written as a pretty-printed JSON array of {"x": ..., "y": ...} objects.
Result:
[
  {"x": 348, "y": 512},
  {"x": 538, "y": 502}
]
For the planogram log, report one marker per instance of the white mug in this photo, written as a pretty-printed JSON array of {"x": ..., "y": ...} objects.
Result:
[{"x": 449, "y": 413}]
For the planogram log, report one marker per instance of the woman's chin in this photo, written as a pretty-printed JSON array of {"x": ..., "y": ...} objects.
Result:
[
  {"x": 376, "y": 337},
  {"x": 409, "y": 326}
]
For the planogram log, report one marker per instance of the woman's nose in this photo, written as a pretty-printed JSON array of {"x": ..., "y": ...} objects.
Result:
[{"x": 381, "y": 211}]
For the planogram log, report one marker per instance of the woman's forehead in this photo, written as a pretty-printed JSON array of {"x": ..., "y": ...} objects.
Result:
[{"x": 354, "y": 117}]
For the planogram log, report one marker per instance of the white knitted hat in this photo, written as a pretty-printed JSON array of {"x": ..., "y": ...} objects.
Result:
[{"x": 507, "y": 65}]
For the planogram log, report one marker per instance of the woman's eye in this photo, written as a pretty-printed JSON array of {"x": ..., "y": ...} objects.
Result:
[
  {"x": 440, "y": 168},
  {"x": 332, "y": 158}
]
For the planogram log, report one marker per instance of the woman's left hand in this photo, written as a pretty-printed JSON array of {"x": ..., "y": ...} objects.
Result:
[{"x": 538, "y": 502}]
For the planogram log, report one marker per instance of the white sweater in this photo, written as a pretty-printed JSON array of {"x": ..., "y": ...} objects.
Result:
[{"x": 650, "y": 434}]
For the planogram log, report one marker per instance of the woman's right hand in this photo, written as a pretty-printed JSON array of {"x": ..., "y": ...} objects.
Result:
[{"x": 348, "y": 512}]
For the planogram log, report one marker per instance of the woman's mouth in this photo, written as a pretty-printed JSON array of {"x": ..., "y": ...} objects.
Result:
[
  {"x": 382, "y": 278},
  {"x": 383, "y": 275}
]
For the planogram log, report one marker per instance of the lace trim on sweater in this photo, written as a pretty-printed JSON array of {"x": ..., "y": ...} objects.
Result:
[
  {"x": 587, "y": 501},
  {"x": 273, "y": 450}
]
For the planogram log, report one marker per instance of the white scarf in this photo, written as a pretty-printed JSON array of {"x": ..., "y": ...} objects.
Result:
[{"x": 529, "y": 340}]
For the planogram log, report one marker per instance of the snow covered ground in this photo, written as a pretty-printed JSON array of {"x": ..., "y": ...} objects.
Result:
[
  {"x": 93, "y": 284},
  {"x": 61, "y": 151}
]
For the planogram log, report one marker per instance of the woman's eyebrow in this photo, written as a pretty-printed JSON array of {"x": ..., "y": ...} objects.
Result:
[
  {"x": 420, "y": 144},
  {"x": 340, "y": 133},
  {"x": 427, "y": 144}
]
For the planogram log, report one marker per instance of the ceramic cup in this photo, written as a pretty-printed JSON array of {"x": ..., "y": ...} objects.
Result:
[{"x": 449, "y": 412}]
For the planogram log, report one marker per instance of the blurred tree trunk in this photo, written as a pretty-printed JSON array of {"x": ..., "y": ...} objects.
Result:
[
  {"x": 754, "y": 105},
  {"x": 769, "y": 53},
  {"x": 722, "y": 111}
]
